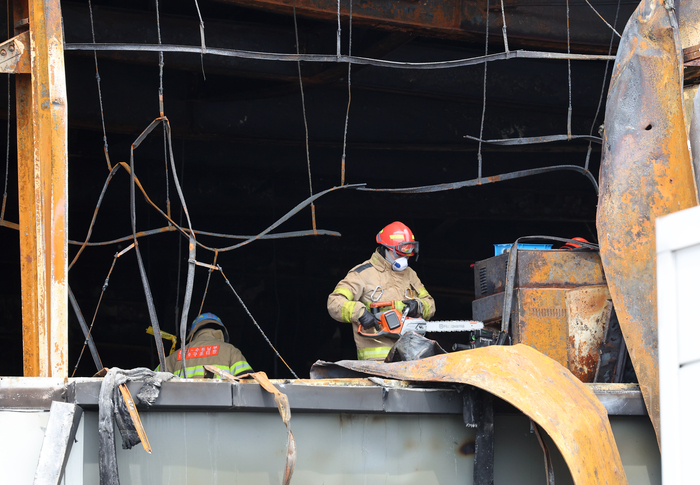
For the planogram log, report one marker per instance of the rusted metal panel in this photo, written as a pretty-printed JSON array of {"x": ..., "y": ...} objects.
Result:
[
  {"x": 587, "y": 311},
  {"x": 538, "y": 386},
  {"x": 43, "y": 191},
  {"x": 645, "y": 173},
  {"x": 541, "y": 321}
]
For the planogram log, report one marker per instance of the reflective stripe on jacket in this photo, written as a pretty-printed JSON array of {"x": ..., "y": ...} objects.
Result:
[
  {"x": 208, "y": 348},
  {"x": 353, "y": 294}
]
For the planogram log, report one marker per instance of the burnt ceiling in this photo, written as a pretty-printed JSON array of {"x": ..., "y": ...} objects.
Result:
[{"x": 239, "y": 146}]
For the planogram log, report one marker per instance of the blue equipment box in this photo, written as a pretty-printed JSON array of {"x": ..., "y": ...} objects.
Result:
[{"x": 501, "y": 248}]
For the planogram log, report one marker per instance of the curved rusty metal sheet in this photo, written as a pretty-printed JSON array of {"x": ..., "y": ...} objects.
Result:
[
  {"x": 645, "y": 173},
  {"x": 540, "y": 387}
]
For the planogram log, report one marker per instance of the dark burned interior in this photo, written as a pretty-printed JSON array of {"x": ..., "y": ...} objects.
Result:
[{"x": 239, "y": 147}]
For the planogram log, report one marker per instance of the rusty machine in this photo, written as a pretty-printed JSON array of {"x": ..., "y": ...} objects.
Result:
[{"x": 560, "y": 306}]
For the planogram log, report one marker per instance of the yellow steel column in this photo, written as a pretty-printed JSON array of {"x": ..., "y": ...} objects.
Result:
[{"x": 43, "y": 190}]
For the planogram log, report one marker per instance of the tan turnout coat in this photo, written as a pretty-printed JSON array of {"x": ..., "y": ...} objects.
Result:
[{"x": 353, "y": 295}]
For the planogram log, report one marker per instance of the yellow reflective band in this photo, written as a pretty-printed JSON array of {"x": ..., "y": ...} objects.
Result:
[
  {"x": 347, "y": 311},
  {"x": 426, "y": 309},
  {"x": 240, "y": 367},
  {"x": 396, "y": 236},
  {"x": 344, "y": 291},
  {"x": 399, "y": 305},
  {"x": 423, "y": 293},
  {"x": 373, "y": 353},
  {"x": 413, "y": 237}
]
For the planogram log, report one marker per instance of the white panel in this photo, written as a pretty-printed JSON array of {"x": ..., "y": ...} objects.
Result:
[
  {"x": 22, "y": 436},
  {"x": 332, "y": 449},
  {"x": 678, "y": 230},
  {"x": 73, "y": 473},
  {"x": 688, "y": 297},
  {"x": 689, "y": 383}
]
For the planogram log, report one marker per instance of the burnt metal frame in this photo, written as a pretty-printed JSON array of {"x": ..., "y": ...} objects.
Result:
[{"x": 43, "y": 185}]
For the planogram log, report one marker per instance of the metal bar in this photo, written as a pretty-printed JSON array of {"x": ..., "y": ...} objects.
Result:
[
  {"x": 272, "y": 56},
  {"x": 64, "y": 419},
  {"x": 86, "y": 332},
  {"x": 43, "y": 189},
  {"x": 483, "y": 446}
]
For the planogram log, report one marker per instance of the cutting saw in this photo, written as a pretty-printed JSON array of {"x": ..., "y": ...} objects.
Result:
[{"x": 394, "y": 324}]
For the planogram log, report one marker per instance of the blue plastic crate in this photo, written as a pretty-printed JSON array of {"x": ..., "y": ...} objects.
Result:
[{"x": 501, "y": 248}]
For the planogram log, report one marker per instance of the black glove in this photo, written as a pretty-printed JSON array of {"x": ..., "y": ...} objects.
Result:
[
  {"x": 368, "y": 321},
  {"x": 414, "y": 309}
]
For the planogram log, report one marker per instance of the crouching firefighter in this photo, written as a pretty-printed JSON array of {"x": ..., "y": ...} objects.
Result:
[
  {"x": 384, "y": 277},
  {"x": 208, "y": 344}
]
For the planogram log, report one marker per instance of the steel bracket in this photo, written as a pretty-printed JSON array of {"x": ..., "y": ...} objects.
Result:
[{"x": 14, "y": 55}]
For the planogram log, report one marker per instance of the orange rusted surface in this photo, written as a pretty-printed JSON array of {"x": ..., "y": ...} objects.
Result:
[
  {"x": 587, "y": 311},
  {"x": 645, "y": 173},
  {"x": 541, "y": 388},
  {"x": 43, "y": 192},
  {"x": 542, "y": 321}
]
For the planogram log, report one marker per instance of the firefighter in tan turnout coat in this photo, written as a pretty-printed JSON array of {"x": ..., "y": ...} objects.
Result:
[
  {"x": 208, "y": 345},
  {"x": 384, "y": 277}
]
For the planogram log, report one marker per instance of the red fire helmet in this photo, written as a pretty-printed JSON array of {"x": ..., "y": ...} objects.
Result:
[{"x": 400, "y": 238}]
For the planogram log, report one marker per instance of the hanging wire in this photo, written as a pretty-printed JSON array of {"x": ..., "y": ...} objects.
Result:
[
  {"x": 201, "y": 38},
  {"x": 303, "y": 110},
  {"x": 99, "y": 302},
  {"x": 605, "y": 21},
  {"x": 7, "y": 152},
  {"x": 347, "y": 111},
  {"x": 337, "y": 38},
  {"x": 483, "y": 107},
  {"x": 160, "y": 66},
  {"x": 9, "y": 115},
  {"x": 602, "y": 89},
  {"x": 99, "y": 90},
  {"x": 505, "y": 33},
  {"x": 255, "y": 322},
  {"x": 167, "y": 177},
  {"x": 179, "y": 252},
  {"x": 206, "y": 288},
  {"x": 568, "y": 62}
]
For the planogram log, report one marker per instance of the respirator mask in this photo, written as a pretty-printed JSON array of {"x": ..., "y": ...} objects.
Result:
[{"x": 397, "y": 263}]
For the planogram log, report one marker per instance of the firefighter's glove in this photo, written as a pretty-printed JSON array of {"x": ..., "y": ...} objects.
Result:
[
  {"x": 368, "y": 321},
  {"x": 414, "y": 308}
]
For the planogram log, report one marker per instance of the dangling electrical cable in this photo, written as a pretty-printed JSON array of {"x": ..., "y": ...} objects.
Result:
[
  {"x": 201, "y": 38},
  {"x": 99, "y": 91},
  {"x": 602, "y": 89},
  {"x": 505, "y": 33},
  {"x": 255, "y": 322},
  {"x": 483, "y": 107},
  {"x": 206, "y": 287},
  {"x": 303, "y": 110},
  {"x": 347, "y": 111},
  {"x": 142, "y": 269},
  {"x": 615, "y": 32},
  {"x": 160, "y": 64},
  {"x": 568, "y": 63},
  {"x": 9, "y": 114},
  {"x": 99, "y": 302},
  {"x": 7, "y": 153}
]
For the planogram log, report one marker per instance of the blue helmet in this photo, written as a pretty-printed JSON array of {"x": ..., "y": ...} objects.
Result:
[{"x": 206, "y": 320}]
